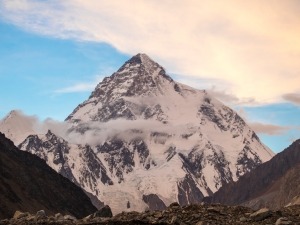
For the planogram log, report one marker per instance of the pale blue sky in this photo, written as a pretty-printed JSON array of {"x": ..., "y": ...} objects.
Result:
[
  {"x": 35, "y": 70},
  {"x": 48, "y": 65}
]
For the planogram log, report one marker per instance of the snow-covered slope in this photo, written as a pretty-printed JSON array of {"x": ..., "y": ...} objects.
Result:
[{"x": 151, "y": 136}]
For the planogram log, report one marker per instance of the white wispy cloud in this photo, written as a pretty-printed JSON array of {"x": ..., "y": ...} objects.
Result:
[
  {"x": 218, "y": 89},
  {"x": 252, "y": 45},
  {"x": 83, "y": 87},
  {"x": 269, "y": 129},
  {"x": 79, "y": 87}
]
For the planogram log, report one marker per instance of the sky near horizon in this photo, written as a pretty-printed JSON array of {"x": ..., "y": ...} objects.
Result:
[{"x": 246, "y": 53}]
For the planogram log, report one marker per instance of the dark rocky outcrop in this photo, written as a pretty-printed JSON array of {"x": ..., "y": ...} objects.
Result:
[
  {"x": 28, "y": 184},
  {"x": 154, "y": 202},
  {"x": 104, "y": 212},
  {"x": 188, "y": 193},
  {"x": 273, "y": 184}
]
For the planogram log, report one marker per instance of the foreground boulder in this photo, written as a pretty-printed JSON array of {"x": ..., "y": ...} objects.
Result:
[
  {"x": 41, "y": 215},
  {"x": 260, "y": 214},
  {"x": 18, "y": 215}
]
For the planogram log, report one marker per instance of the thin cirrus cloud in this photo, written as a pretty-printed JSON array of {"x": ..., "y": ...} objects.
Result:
[
  {"x": 251, "y": 45},
  {"x": 83, "y": 87},
  {"x": 231, "y": 99},
  {"x": 292, "y": 97},
  {"x": 269, "y": 129},
  {"x": 79, "y": 87}
]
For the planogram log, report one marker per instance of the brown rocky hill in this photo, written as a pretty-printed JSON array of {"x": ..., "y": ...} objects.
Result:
[
  {"x": 273, "y": 184},
  {"x": 27, "y": 183}
]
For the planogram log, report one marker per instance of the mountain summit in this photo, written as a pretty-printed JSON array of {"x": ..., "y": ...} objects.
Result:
[
  {"x": 138, "y": 77},
  {"x": 147, "y": 140}
]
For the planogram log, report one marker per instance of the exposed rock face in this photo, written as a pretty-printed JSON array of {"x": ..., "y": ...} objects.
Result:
[
  {"x": 273, "y": 184},
  {"x": 148, "y": 134},
  {"x": 174, "y": 214},
  {"x": 188, "y": 193},
  {"x": 27, "y": 183}
]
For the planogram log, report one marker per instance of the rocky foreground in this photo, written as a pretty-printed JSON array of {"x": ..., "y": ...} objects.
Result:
[{"x": 193, "y": 214}]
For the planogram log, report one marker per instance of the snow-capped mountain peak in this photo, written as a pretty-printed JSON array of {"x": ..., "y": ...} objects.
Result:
[
  {"x": 148, "y": 135},
  {"x": 139, "y": 77},
  {"x": 143, "y": 63}
]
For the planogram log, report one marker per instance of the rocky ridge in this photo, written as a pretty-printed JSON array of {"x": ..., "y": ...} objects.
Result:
[{"x": 273, "y": 184}]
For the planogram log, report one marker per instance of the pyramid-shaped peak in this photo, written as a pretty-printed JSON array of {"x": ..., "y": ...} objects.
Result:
[
  {"x": 13, "y": 114},
  {"x": 141, "y": 60},
  {"x": 138, "y": 76},
  {"x": 145, "y": 59}
]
